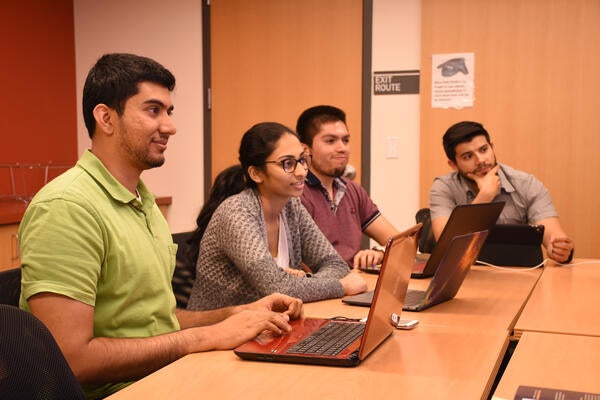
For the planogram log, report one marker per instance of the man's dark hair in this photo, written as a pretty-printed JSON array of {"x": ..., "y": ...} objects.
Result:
[
  {"x": 310, "y": 121},
  {"x": 462, "y": 132},
  {"x": 115, "y": 78}
]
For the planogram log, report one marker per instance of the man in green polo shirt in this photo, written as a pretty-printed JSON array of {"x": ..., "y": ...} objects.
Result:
[{"x": 97, "y": 254}]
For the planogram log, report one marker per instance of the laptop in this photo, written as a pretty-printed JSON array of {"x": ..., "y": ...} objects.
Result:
[
  {"x": 454, "y": 266},
  {"x": 464, "y": 219},
  {"x": 517, "y": 245},
  {"x": 389, "y": 294}
]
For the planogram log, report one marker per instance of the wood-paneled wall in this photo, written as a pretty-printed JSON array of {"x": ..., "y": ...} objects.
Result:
[{"x": 537, "y": 78}]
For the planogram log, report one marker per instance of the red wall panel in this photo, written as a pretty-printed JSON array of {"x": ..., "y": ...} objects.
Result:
[{"x": 37, "y": 77}]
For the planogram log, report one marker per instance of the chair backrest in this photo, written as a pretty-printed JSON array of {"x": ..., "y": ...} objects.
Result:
[
  {"x": 426, "y": 240},
  {"x": 31, "y": 363},
  {"x": 185, "y": 270},
  {"x": 10, "y": 286}
]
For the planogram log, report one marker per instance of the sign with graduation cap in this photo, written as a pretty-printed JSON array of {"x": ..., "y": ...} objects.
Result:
[{"x": 452, "y": 80}]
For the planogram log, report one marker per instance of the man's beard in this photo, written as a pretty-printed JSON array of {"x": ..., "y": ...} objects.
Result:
[
  {"x": 155, "y": 163},
  {"x": 329, "y": 172},
  {"x": 338, "y": 172},
  {"x": 464, "y": 175},
  {"x": 147, "y": 161},
  {"x": 143, "y": 157}
]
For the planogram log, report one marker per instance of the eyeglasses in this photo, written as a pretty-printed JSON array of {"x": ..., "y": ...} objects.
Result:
[{"x": 289, "y": 165}]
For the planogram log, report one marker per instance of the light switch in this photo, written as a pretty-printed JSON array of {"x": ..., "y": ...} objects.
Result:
[{"x": 392, "y": 147}]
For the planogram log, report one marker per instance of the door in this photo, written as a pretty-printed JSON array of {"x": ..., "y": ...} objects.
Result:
[{"x": 272, "y": 59}]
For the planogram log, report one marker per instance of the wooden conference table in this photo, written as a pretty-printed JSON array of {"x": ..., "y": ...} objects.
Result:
[
  {"x": 555, "y": 361},
  {"x": 566, "y": 300},
  {"x": 559, "y": 333},
  {"x": 454, "y": 353}
]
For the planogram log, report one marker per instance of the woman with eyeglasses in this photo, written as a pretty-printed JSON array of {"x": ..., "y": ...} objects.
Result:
[{"x": 255, "y": 238}]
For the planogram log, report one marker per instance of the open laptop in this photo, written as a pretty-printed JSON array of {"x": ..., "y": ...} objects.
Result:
[
  {"x": 454, "y": 266},
  {"x": 390, "y": 291},
  {"x": 464, "y": 219},
  {"x": 518, "y": 245}
]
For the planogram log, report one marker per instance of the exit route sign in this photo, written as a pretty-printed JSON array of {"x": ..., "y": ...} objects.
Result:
[{"x": 396, "y": 82}]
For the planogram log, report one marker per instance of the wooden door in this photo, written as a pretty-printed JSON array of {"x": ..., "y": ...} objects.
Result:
[{"x": 271, "y": 59}]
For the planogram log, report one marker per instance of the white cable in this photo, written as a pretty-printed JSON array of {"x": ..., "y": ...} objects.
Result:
[
  {"x": 511, "y": 268},
  {"x": 537, "y": 266}
]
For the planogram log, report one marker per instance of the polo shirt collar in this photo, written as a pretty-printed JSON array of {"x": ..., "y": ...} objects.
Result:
[
  {"x": 94, "y": 167},
  {"x": 312, "y": 180},
  {"x": 339, "y": 186},
  {"x": 504, "y": 182}
]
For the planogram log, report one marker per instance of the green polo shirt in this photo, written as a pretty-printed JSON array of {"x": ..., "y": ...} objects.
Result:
[{"x": 87, "y": 237}]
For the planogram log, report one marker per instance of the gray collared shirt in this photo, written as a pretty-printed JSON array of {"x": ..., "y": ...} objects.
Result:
[{"x": 527, "y": 200}]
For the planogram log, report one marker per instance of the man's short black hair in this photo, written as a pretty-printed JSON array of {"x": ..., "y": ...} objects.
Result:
[
  {"x": 115, "y": 78},
  {"x": 310, "y": 121},
  {"x": 462, "y": 132}
]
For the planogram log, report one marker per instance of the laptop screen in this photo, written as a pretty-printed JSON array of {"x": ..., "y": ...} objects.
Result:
[{"x": 393, "y": 284}]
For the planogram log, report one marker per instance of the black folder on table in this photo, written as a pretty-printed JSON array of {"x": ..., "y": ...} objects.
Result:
[{"x": 518, "y": 245}]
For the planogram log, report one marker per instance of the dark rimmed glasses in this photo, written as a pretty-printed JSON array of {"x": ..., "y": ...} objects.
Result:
[{"x": 289, "y": 165}]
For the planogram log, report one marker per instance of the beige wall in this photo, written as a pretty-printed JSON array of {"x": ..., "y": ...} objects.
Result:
[
  {"x": 171, "y": 33},
  {"x": 396, "y": 47}
]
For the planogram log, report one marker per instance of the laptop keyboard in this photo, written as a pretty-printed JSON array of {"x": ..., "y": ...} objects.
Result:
[
  {"x": 371, "y": 269},
  {"x": 330, "y": 339},
  {"x": 414, "y": 297}
]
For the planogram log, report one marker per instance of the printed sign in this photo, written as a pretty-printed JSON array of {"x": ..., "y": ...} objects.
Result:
[
  {"x": 396, "y": 82},
  {"x": 452, "y": 80}
]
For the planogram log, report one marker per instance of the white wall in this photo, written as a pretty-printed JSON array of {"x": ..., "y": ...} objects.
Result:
[
  {"x": 396, "y": 47},
  {"x": 171, "y": 33}
]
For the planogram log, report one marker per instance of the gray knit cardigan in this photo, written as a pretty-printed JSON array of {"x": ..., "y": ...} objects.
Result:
[{"x": 235, "y": 267}]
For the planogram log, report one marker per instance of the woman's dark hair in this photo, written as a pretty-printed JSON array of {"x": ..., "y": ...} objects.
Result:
[{"x": 257, "y": 144}]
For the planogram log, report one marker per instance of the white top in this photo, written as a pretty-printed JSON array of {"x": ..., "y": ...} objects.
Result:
[{"x": 283, "y": 254}]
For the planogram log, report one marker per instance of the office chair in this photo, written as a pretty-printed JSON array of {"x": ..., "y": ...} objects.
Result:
[
  {"x": 426, "y": 239},
  {"x": 185, "y": 270},
  {"x": 10, "y": 286},
  {"x": 31, "y": 364}
]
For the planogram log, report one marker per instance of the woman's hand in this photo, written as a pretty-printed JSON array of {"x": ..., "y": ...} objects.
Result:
[{"x": 353, "y": 283}]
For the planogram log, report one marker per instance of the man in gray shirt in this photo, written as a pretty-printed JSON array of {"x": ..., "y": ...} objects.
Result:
[{"x": 479, "y": 178}]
